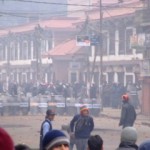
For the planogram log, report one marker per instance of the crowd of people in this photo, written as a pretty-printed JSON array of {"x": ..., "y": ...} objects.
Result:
[
  {"x": 74, "y": 90},
  {"x": 110, "y": 93}
]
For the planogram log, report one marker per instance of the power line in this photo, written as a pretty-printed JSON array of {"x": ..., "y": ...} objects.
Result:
[
  {"x": 30, "y": 15},
  {"x": 116, "y": 5},
  {"x": 53, "y": 3}
]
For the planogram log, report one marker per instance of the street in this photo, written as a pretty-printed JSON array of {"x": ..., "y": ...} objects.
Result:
[{"x": 25, "y": 129}]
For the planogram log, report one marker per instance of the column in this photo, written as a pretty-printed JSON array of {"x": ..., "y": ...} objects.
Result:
[{"x": 116, "y": 42}]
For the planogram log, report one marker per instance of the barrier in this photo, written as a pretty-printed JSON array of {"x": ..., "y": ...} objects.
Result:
[
  {"x": 42, "y": 107},
  {"x": 95, "y": 111},
  {"x": 61, "y": 109},
  {"x": 11, "y": 108},
  {"x": 52, "y": 106},
  {"x": 1, "y": 108},
  {"x": 71, "y": 109},
  {"x": 33, "y": 107},
  {"x": 59, "y": 98},
  {"x": 24, "y": 107}
]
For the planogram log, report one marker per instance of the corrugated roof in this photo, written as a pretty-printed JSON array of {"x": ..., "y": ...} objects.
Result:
[
  {"x": 124, "y": 9},
  {"x": 65, "y": 48},
  {"x": 53, "y": 23}
]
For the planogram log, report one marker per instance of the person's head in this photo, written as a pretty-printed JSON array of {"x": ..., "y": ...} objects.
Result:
[
  {"x": 6, "y": 143},
  {"x": 50, "y": 114},
  {"x": 22, "y": 147},
  {"x": 84, "y": 111},
  {"x": 95, "y": 143},
  {"x": 129, "y": 135},
  {"x": 55, "y": 140},
  {"x": 145, "y": 145},
  {"x": 125, "y": 98}
]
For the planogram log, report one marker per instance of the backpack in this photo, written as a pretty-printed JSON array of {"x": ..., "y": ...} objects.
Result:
[{"x": 81, "y": 123}]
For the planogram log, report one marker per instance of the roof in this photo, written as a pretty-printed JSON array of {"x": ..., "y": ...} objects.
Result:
[
  {"x": 53, "y": 23},
  {"x": 65, "y": 48},
  {"x": 124, "y": 9},
  {"x": 69, "y": 23}
]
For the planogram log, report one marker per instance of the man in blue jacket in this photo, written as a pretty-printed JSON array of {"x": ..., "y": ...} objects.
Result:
[
  {"x": 81, "y": 127},
  {"x": 46, "y": 125}
]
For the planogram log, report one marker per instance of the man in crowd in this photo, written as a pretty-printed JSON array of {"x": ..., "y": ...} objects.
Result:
[
  {"x": 128, "y": 139},
  {"x": 128, "y": 113},
  {"x": 145, "y": 145},
  {"x": 95, "y": 143},
  {"x": 81, "y": 127},
  {"x": 55, "y": 140},
  {"x": 46, "y": 125}
]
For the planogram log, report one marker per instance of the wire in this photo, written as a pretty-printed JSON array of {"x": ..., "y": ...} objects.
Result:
[
  {"x": 116, "y": 5},
  {"x": 52, "y": 3},
  {"x": 30, "y": 15}
]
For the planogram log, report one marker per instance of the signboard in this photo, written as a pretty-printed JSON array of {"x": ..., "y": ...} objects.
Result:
[
  {"x": 60, "y": 105},
  {"x": 137, "y": 41},
  {"x": 75, "y": 65},
  {"x": 95, "y": 40},
  {"x": 83, "y": 40}
]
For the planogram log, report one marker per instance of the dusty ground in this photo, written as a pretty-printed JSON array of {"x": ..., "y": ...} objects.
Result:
[{"x": 25, "y": 129}]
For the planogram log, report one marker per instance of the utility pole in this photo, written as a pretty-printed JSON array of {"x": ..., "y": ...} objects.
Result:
[
  {"x": 100, "y": 52},
  {"x": 38, "y": 36}
]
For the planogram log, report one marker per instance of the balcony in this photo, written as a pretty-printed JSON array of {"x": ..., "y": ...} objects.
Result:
[{"x": 142, "y": 18}]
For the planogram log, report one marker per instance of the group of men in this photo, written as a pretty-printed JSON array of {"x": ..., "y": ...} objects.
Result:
[{"x": 81, "y": 127}]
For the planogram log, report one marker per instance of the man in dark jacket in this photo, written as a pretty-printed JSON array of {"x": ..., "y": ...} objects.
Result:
[
  {"x": 145, "y": 145},
  {"x": 128, "y": 139},
  {"x": 46, "y": 125},
  {"x": 81, "y": 127},
  {"x": 128, "y": 113}
]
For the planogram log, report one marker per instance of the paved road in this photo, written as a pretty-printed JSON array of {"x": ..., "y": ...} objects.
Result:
[{"x": 25, "y": 129}]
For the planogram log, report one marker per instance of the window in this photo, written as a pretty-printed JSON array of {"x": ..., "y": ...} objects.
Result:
[
  {"x": 73, "y": 77},
  {"x": 1, "y": 52},
  {"x": 25, "y": 50},
  {"x": 12, "y": 51},
  {"x": 29, "y": 51},
  {"x": 34, "y": 50},
  {"x": 112, "y": 42},
  {"x": 106, "y": 43},
  {"x": 121, "y": 40},
  {"x": 128, "y": 34},
  {"x": 43, "y": 46},
  {"x": 110, "y": 77}
]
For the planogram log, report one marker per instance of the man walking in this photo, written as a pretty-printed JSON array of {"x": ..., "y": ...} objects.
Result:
[
  {"x": 81, "y": 127},
  {"x": 46, "y": 125},
  {"x": 128, "y": 113}
]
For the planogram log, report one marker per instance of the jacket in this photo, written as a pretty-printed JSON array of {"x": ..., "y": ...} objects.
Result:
[
  {"x": 86, "y": 131},
  {"x": 128, "y": 115},
  {"x": 45, "y": 127},
  {"x": 127, "y": 146}
]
